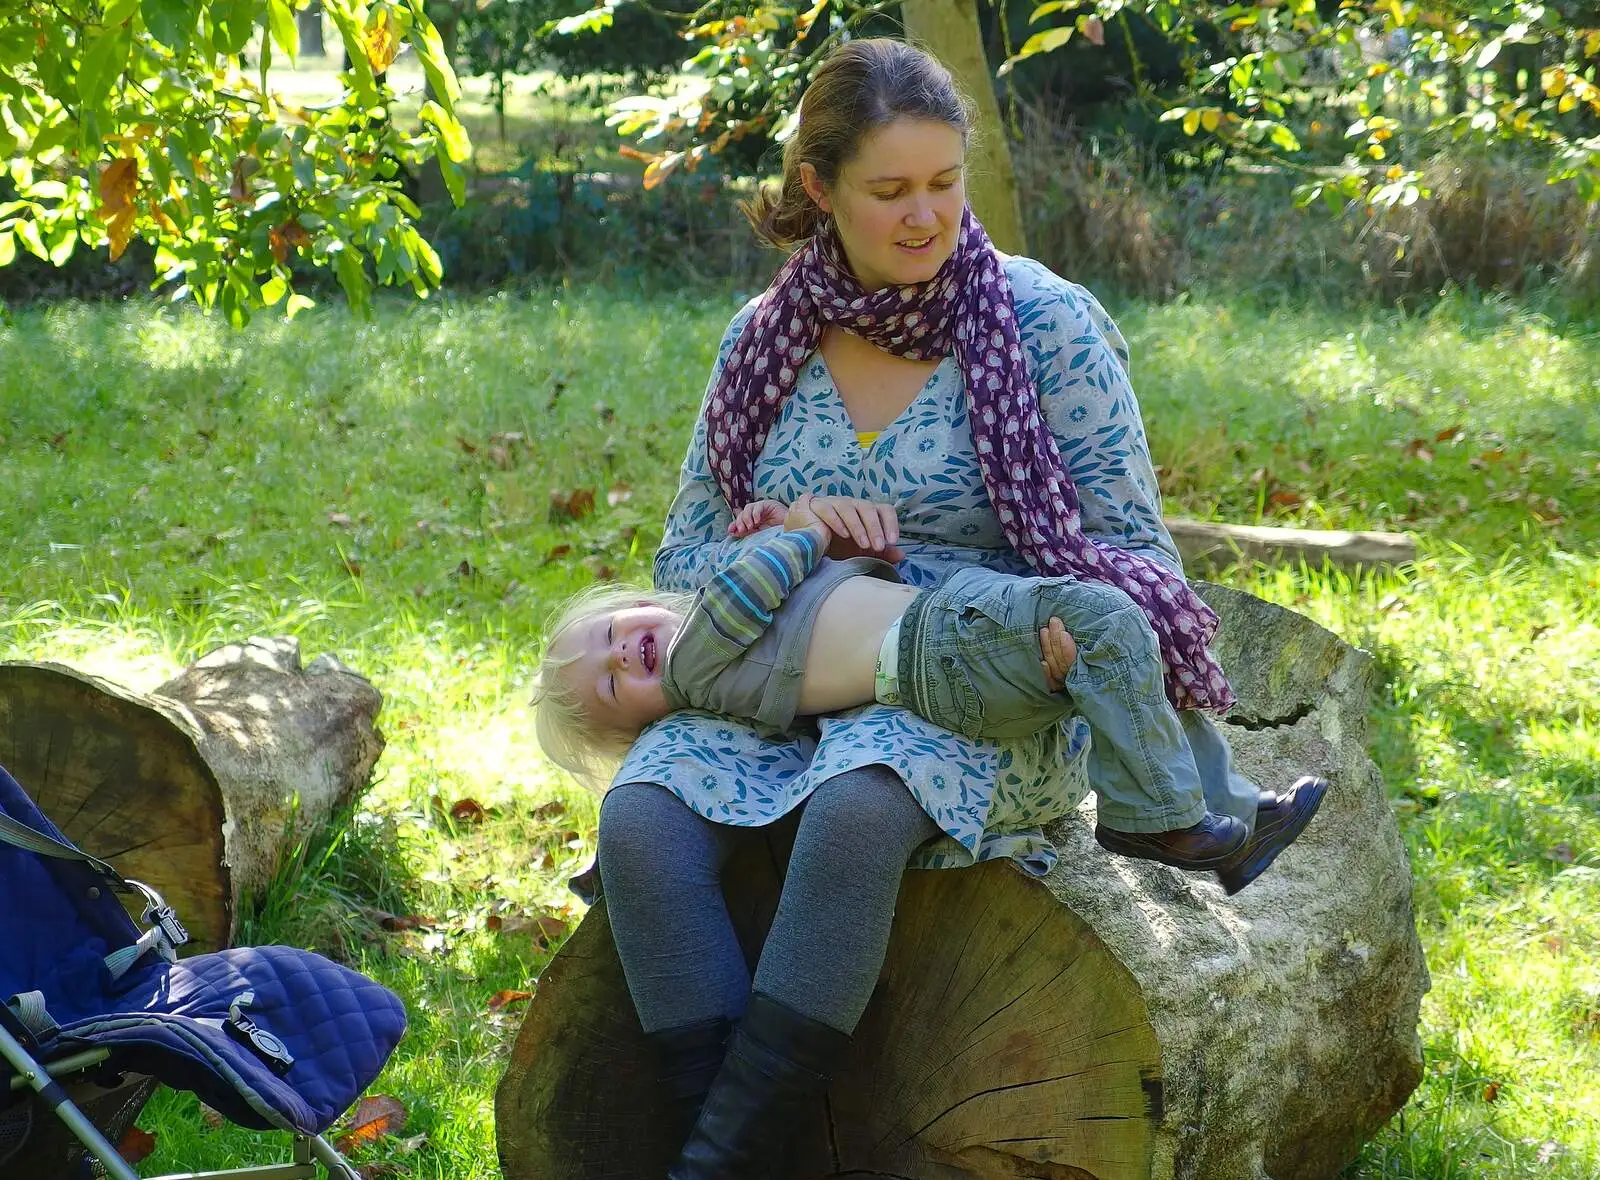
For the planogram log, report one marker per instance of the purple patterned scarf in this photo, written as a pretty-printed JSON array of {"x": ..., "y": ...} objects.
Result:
[{"x": 965, "y": 308}]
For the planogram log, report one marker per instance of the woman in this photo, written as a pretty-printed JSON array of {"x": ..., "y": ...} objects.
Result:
[{"x": 897, "y": 358}]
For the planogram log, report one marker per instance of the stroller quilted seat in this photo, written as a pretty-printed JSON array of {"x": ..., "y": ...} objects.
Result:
[{"x": 271, "y": 1037}]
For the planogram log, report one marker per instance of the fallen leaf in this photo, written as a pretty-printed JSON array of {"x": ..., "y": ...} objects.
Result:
[
  {"x": 466, "y": 569},
  {"x": 1561, "y": 853},
  {"x": 494, "y": 922},
  {"x": 382, "y": 1170},
  {"x": 502, "y": 998},
  {"x": 1449, "y": 434},
  {"x": 501, "y": 456},
  {"x": 620, "y": 493},
  {"x": 212, "y": 1118},
  {"x": 1554, "y": 943},
  {"x": 572, "y": 504},
  {"x": 551, "y": 927},
  {"x": 556, "y": 553},
  {"x": 352, "y": 566},
  {"x": 375, "y": 1116},
  {"x": 1417, "y": 448},
  {"x": 136, "y": 1145},
  {"x": 1491, "y": 1091},
  {"x": 550, "y": 810},
  {"x": 598, "y": 566},
  {"x": 394, "y": 923},
  {"x": 340, "y": 519},
  {"x": 467, "y": 445},
  {"x": 1285, "y": 498},
  {"x": 467, "y": 811},
  {"x": 1093, "y": 28}
]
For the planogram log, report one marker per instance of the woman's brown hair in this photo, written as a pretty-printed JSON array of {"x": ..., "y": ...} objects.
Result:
[{"x": 862, "y": 86}]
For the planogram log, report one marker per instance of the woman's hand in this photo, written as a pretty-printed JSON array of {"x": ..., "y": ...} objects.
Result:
[
  {"x": 859, "y": 527},
  {"x": 755, "y": 516}
]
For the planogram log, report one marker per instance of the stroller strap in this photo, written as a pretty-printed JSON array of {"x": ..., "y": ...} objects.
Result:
[
  {"x": 166, "y": 933},
  {"x": 30, "y": 1012}
]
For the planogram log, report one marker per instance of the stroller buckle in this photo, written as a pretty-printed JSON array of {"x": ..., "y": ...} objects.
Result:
[{"x": 165, "y": 917}]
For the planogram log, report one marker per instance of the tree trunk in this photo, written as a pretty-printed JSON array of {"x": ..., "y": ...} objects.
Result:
[
  {"x": 1209, "y": 545},
  {"x": 949, "y": 30},
  {"x": 1117, "y": 1020},
  {"x": 310, "y": 20},
  {"x": 198, "y": 788}
]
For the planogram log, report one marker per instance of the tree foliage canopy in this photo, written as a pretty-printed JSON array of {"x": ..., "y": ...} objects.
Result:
[
  {"x": 1402, "y": 78},
  {"x": 154, "y": 119}
]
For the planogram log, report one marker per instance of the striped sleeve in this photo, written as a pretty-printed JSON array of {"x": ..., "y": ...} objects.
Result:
[{"x": 740, "y": 599}]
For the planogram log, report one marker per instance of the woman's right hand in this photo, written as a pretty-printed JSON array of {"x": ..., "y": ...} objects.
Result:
[{"x": 859, "y": 527}]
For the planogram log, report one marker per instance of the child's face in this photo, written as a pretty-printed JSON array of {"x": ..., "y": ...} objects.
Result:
[{"x": 620, "y": 658}]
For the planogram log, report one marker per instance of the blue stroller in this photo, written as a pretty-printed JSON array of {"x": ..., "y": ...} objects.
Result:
[{"x": 94, "y": 1014}]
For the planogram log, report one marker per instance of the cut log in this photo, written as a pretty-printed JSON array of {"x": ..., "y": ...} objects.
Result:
[
  {"x": 1209, "y": 546},
  {"x": 198, "y": 788},
  {"x": 1118, "y": 1019}
]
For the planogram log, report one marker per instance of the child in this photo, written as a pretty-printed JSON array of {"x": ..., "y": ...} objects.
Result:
[{"x": 783, "y": 632}]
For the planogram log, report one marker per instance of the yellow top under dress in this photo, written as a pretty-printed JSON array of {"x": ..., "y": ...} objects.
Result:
[{"x": 867, "y": 437}]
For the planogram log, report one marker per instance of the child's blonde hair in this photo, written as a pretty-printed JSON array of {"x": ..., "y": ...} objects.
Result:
[{"x": 567, "y": 734}]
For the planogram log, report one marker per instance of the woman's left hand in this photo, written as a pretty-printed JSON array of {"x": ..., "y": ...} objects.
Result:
[{"x": 859, "y": 527}]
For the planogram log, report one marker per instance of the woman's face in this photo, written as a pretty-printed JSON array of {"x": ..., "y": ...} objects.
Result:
[{"x": 898, "y": 202}]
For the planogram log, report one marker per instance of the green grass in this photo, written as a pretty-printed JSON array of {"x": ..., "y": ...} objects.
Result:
[{"x": 383, "y": 490}]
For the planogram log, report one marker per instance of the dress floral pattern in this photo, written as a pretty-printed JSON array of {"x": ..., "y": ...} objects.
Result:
[{"x": 989, "y": 798}]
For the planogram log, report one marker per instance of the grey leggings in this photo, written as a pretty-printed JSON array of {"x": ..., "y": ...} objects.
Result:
[{"x": 661, "y": 866}]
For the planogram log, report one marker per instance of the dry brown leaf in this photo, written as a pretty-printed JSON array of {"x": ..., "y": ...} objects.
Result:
[
  {"x": 571, "y": 503},
  {"x": 375, "y": 1116},
  {"x": 1491, "y": 1091},
  {"x": 503, "y": 998},
  {"x": 557, "y": 552},
  {"x": 136, "y": 1145},
  {"x": 467, "y": 811},
  {"x": 1450, "y": 433}
]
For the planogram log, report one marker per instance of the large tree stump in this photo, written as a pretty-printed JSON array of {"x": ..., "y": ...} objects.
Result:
[
  {"x": 197, "y": 788},
  {"x": 1119, "y": 1019}
]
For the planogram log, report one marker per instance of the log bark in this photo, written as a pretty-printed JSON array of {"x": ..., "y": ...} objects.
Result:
[
  {"x": 1118, "y": 1019},
  {"x": 949, "y": 30},
  {"x": 1209, "y": 545},
  {"x": 198, "y": 788}
]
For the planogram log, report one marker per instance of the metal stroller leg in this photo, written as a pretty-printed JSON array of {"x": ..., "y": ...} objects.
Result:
[
  {"x": 50, "y": 1090},
  {"x": 338, "y": 1169}
]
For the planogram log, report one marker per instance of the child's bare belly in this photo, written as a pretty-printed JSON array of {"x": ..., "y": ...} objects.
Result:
[{"x": 849, "y": 630}]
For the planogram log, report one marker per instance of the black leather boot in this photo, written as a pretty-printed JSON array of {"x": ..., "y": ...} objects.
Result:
[
  {"x": 778, "y": 1060},
  {"x": 687, "y": 1059}
]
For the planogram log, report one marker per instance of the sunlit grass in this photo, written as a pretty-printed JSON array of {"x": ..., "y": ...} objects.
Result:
[{"x": 382, "y": 491}]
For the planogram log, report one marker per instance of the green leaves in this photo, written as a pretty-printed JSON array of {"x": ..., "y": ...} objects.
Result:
[
  {"x": 283, "y": 26},
  {"x": 141, "y": 120}
]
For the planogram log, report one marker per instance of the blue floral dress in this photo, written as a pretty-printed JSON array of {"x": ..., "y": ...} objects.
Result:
[{"x": 989, "y": 798}]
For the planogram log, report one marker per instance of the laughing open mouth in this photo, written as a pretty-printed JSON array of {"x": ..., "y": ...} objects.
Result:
[{"x": 647, "y": 651}]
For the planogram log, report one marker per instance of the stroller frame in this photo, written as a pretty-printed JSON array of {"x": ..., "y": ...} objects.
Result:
[
  {"x": 45, "y": 1081},
  {"x": 166, "y": 933}
]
